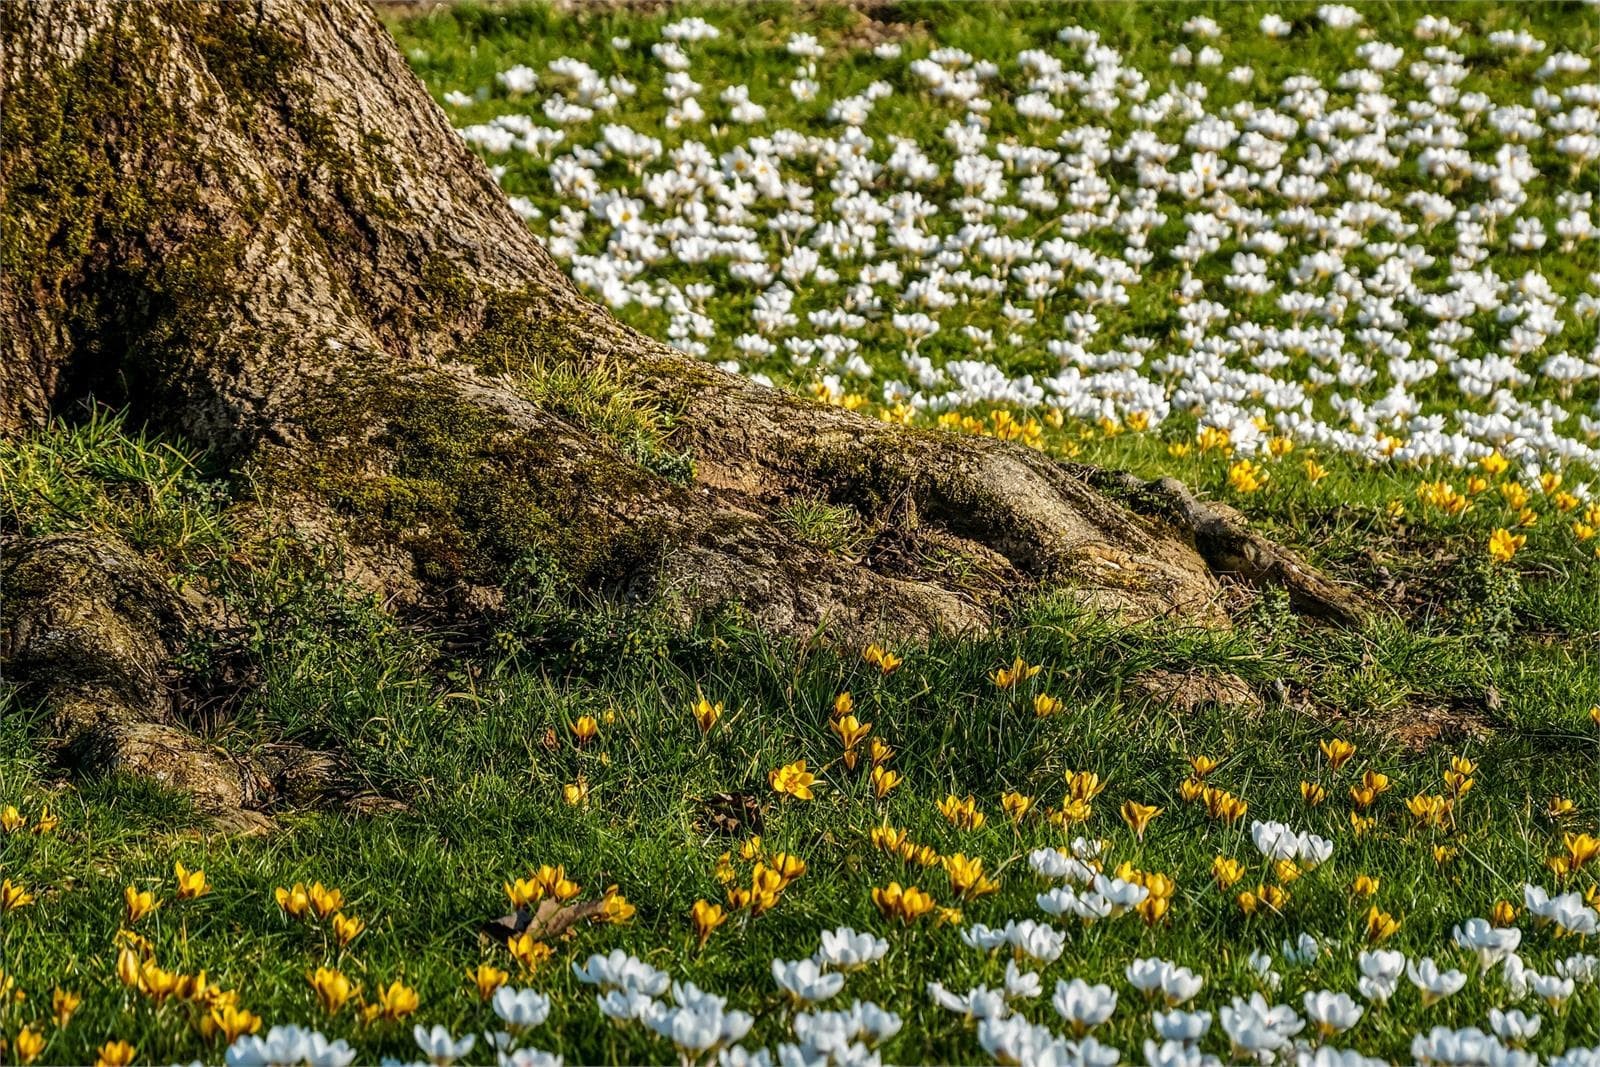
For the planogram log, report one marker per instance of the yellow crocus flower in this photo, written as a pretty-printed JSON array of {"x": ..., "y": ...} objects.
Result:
[
  {"x": 1019, "y": 671},
  {"x": 793, "y": 780},
  {"x": 486, "y": 978},
  {"x": 13, "y": 895},
  {"x": 1337, "y": 751},
  {"x": 1045, "y": 705},
  {"x": 1503, "y": 544},
  {"x": 346, "y": 928},
  {"x": 294, "y": 901},
  {"x": 705, "y": 713},
  {"x": 138, "y": 903},
  {"x": 114, "y": 1054},
  {"x": 906, "y": 905},
  {"x": 1138, "y": 816},
  {"x": 395, "y": 1001},
  {"x": 1380, "y": 924},
  {"x": 529, "y": 951},
  {"x": 962, "y": 814},
  {"x": 332, "y": 987},
  {"x": 28, "y": 1044},
  {"x": 1015, "y": 805},
  {"x": 324, "y": 901},
  {"x": 706, "y": 917},
  {"x": 64, "y": 1005},
  {"x": 233, "y": 1022},
  {"x": 191, "y": 884}
]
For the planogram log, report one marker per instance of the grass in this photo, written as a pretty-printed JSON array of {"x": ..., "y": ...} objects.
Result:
[
  {"x": 1497, "y": 663},
  {"x": 828, "y": 527},
  {"x": 479, "y": 748},
  {"x": 598, "y": 400}
]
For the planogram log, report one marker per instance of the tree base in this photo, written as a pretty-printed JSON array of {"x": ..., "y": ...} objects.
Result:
[{"x": 250, "y": 225}]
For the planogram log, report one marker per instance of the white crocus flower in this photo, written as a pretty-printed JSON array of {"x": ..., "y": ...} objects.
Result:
[
  {"x": 619, "y": 970},
  {"x": 1176, "y": 1054},
  {"x": 1302, "y": 952},
  {"x": 1274, "y": 840},
  {"x": 1082, "y": 1005},
  {"x": 440, "y": 1046},
  {"x": 1185, "y": 1026},
  {"x": 623, "y": 1005},
  {"x": 1433, "y": 983},
  {"x": 1145, "y": 974},
  {"x": 1020, "y": 984},
  {"x": 286, "y": 1045},
  {"x": 1380, "y": 973},
  {"x": 1491, "y": 944},
  {"x": 985, "y": 938},
  {"x": 1552, "y": 989},
  {"x": 1332, "y": 1013},
  {"x": 1261, "y": 963},
  {"x": 529, "y": 1057},
  {"x": 1037, "y": 941},
  {"x": 1581, "y": 967},
  {"x": 979, "y": 1003},
  {"x": 845, "y": 950},
  {"x": 520, "y": 1009},
  {"x": 1053, "y": 863},
  {"x": 1514, "y": 1027},
  {"x": 1256, "y": 1027},
  {"x": 804, "y": 980},
  {"x": 1442, "y": 1045}
]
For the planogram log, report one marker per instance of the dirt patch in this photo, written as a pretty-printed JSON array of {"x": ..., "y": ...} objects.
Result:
[
  {"x": 1424, "y": 722},
  {"x": 1189, "y": 691},
  {"x": 1421, "y": 722},
  {"x": 731, "y": 815},
  {"x": 876, "y": 23}
]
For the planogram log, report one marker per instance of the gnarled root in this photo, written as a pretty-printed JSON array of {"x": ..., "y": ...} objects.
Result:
[
  {"x": 1230, "y": 547},
  {"x": 92, "y": 631}
]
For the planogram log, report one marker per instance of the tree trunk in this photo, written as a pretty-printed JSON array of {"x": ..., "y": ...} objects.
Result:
[{"x": 249, "y": 223}]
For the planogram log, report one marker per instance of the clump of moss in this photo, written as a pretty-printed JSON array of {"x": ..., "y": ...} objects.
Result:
[
  {"x": 1483, "y": 599},
  {"x": 467, "y": 494},
  {"x": 248, "y": 58}
]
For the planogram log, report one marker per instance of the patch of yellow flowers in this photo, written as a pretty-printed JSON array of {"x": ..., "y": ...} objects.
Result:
[
  {"x": 770, "y": 874},
  {"x": 756, "y": 883}
]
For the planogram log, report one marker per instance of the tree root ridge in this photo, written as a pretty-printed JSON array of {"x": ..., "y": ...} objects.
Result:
[{"x": 93, "y": 632}]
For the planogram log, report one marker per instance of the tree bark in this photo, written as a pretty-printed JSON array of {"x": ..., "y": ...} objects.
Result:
[{"x": 249, "y": 223}]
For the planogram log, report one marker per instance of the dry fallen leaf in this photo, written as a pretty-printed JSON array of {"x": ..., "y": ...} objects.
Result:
[
  {"x": 733, "y": 814},
  {"x": 549, "y": 920}
]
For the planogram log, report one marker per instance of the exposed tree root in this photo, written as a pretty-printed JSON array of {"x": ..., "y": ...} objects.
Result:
[
  {"x": 1230, "y": 547},
  {"x": 92, "y": 631}
]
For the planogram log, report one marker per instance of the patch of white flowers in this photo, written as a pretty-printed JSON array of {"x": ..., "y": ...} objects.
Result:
[
  {"x": 701, "y": 1027},
  {"x": 1357, "y": 262}
]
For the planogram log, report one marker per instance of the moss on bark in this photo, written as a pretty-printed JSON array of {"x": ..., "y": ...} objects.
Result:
[{"x": 466, "y": 491}]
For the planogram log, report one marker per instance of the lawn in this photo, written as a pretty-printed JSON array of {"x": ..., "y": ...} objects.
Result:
[{"x": 1240, "y": 791}]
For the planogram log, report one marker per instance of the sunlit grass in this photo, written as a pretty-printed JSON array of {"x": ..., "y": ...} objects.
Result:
[{"x": 606, "y": 741}]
